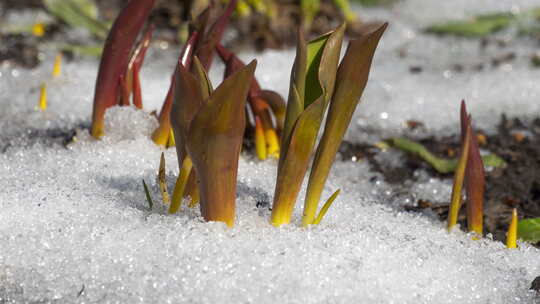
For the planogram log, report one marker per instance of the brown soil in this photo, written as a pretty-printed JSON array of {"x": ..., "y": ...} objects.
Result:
[{"x": 515, "y": 186}]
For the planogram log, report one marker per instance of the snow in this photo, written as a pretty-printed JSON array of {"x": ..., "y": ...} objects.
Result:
[{"x": 75, "y": 225}]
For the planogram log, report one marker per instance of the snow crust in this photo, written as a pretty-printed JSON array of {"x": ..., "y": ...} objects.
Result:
[{"x": 75, "y": 225}]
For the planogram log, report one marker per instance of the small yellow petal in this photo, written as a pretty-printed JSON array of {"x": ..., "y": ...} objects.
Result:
[{"x": 272, "y": 142}]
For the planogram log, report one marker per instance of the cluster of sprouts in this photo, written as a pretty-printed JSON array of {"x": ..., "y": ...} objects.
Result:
[{"x": 207, "y": 125}]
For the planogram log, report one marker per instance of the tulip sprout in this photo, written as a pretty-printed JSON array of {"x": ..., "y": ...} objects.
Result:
[
  {"x": 471, "y": 170},
  {"x": 312, "y": 90},
  {"x": 115, "y": 59}
]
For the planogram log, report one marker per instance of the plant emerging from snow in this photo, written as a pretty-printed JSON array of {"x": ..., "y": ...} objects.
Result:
[{"x": 207, "y": 126}]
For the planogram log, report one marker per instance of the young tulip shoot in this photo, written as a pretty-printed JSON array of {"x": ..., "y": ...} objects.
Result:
[
  {"x": 511, "y": 235},
  {"x": 114, "y": 60},
  {"x": 311, "y": 86},
  {"x": 210, "y": 124},
  {"x": 459, "y": 176},
  {"x": 474, "y": 178},
  {"x": 351, "y": 79}
]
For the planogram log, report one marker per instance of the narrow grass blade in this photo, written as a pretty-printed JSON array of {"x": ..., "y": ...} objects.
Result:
[
  {"x": 478, "y": 26},
  {"x": 511, "y": 235},
  {"x": 441, "y": 165},
  {"x": 115, "y": 58},
  {"x": 325, "y": 207},
  {"x": 351, "y": 79},
  {"x": 459, "y": 176},
  {"x": 78, "y": 13},
  {"x": 148, "y": 197}
]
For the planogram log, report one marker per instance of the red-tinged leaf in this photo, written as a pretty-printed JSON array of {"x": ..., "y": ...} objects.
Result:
[
  {"x": 187, "y": 51},
  {"x": 212, "y": 36},
  {"x": 124, "y": 91},
  {"x": 277, "y": 104},
  {"x": 137, "y": 93},
  {"x": 187, "y": 100},
  {"x": 161, "y": 134},
  {"x": 474, "y": 176},
  {"x": 464, "y": 119},
  {"x": 214, "y": 142},
  {"x": 475, "y": 186},
  {"x": 142, "y": 47},
  {"x": 115, "y": 58}
]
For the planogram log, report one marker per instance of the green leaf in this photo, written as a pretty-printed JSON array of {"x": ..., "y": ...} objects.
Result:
[
  {"x": 478, "y": 26},
  {"x": 314, "y": 54},
  {"x": 351, "y": 79},
  {"x": 78, "y": 13},
  {"x": 325, "y": 207},
  {"x": 442, "y": 165},
  {"x": 148, "y": 197},
  {"x": 312, "y": 83},
  {"x": 83, "y": 50},
  {"x": 529, "y": 230}
]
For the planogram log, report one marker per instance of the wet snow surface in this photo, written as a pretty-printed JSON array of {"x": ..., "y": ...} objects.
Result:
[{"x": 75, "y": 226}]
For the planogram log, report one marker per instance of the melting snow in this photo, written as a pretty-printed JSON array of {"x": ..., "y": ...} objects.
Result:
[{"x": 75, "y": 227}]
